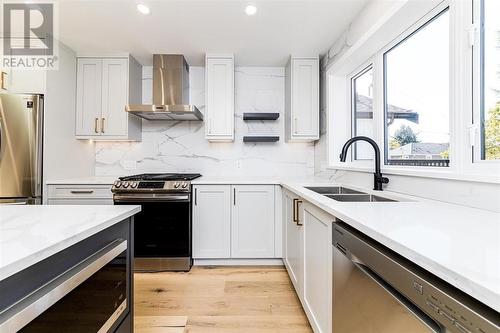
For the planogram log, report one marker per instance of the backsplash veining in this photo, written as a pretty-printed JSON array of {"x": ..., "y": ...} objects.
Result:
[{"x": 182, "y": 147}]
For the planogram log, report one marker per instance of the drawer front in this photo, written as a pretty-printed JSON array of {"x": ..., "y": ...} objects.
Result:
[
  {"x": 80, "y": 201},
  {"x": 80, "y": 191}
]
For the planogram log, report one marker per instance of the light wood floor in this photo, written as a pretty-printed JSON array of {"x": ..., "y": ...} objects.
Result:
[{"x": 218, "y": 299}]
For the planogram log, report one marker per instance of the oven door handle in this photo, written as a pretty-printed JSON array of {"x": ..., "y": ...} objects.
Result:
[
  {"x": 33, "y": 305},
  {"x": 137, "y": 198}
]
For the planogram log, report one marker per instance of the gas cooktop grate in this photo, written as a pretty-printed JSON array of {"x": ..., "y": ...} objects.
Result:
[{"x": 162, "y": 176}]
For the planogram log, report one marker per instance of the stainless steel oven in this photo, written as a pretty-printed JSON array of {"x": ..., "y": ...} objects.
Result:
[
  {"x": 376, "y": 290},
  {"x": 91, "y": 296},
  {"x": 162, "y": 230}
]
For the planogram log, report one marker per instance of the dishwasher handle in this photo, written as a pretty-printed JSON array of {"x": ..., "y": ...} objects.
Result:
[{"x": 421, "y": 315}]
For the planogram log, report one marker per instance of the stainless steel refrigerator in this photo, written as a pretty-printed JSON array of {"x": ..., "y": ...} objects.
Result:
[{"x": 21, "y": 135}]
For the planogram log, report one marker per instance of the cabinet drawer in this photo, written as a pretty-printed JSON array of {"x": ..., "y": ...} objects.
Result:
[
  {"x": 80, "y": 191},
  {"x": 81, "y": 201}
]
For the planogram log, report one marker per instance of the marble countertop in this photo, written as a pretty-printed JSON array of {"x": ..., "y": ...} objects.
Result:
[
  {"x": 204, "y": 180},
  {"x": 209, "y": 180},
  {"x": 30, "y": 234},
  {"x": 458, "y": 244}
]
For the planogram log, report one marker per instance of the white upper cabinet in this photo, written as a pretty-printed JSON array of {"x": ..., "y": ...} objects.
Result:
[
  {"x": 212, "y": 221},
  {"x": 252, "y": 221},
  {"x": 302, "y": 99},
  {"x": 104, "y": 86},
  {"x": 219, "y": 104}
]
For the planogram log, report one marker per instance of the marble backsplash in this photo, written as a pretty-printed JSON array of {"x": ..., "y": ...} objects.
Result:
[{"x": 182, "y": 147}]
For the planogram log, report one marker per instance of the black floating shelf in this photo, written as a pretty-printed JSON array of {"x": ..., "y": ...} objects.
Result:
[
  {"x": 260, "y": 116},
  {"x": 261, "y": 138}
]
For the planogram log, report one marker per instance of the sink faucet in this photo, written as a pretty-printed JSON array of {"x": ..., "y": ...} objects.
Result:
[{"x": 378, "y": 179}]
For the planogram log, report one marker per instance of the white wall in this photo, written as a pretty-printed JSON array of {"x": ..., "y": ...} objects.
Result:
[
  {"x": 469, "y": 193},
  {"x": 64, "y": 156},
  {"x": 181, "y": 146}
]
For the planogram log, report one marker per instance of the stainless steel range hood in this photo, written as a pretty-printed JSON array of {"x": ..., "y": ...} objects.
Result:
[{"x": 170, "y": 91}]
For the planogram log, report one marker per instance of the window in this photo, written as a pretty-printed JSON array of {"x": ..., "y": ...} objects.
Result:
[
  {"x": 416, "y": 103},
  {"x": 362, "y": 112},
  {"x": 490, "y": 79}
]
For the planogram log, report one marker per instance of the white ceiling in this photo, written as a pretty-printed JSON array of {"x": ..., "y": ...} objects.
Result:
[{"x": 193, "y": 28}]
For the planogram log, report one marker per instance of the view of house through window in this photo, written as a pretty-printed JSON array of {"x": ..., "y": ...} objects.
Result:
[
  {"x": 490, "y": 80},
  {"x": 416, "y": 73},
  {"x": 362, "y": 108}
]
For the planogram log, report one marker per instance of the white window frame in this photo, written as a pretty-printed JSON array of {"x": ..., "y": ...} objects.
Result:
[
  {"x": 427, "y": 19},
  {"x": 370, "y": 49},
  {"x": 476, "y": 164},
  {"x": 354, "y": 75}
]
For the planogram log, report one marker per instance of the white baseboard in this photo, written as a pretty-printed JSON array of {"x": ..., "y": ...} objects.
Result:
[{"x": 239, "y": 262}]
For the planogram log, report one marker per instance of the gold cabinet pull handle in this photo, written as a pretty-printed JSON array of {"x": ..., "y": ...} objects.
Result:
[
  {"x": 102, "y": 124},
  {"x": 298, "y": 213},
  {"x": 96, "y": 125}
]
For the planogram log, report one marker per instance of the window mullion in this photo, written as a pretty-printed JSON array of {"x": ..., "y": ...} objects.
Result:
[{"x": 378, "y": 102}]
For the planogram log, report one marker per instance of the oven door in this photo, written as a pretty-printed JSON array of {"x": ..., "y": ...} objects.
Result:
[{"x": 163, "y": 227}]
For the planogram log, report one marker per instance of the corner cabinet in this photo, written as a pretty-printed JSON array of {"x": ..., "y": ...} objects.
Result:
[
  {"x": 308, "y": 258},
  {"x": 104, "y": 86},
  {"x": 302, "y": 99},
  {"x": 219, "y": 103}
]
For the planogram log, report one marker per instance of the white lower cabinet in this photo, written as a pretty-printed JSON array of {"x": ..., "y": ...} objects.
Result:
[
  {"x": 212, "y": 221},
  {"x": 233, "y": 221},
  {"x": 317, "y": 290},
  {"x": 252, "y": 230},
  {"x": 308, "y": 258},
  {"x": 293, "y": 241},
  {"x": 70, "y": 194}
]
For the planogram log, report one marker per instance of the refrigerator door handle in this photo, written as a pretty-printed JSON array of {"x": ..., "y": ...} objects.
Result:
[{"x": 39, "y": 146}]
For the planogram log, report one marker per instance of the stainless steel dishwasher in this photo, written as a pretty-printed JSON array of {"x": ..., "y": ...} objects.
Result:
[{"x": 377, "y": 291}]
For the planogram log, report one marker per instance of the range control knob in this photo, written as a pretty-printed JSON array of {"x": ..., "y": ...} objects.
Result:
[
  {"x": 118, "y": 183},
  {"x": 134, "y": 185},
  {"x": 126, "y": 184},
  {"x": 184, "y": 185},
  {"x": 177, "y": 184}
]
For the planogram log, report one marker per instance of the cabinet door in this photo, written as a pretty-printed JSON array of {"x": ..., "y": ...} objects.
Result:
[
  {"x": 317, "y": 268},
  {"x": 114, "y": 97},
  {"x": 219, "y": 99},
  {"x": 88, "y": 97},
  {"x": 252, "y": 221},
  {"x": 294, "y": 260},
  {"x": 212, "y": 221},
  {"x": 305, "y": 98}
]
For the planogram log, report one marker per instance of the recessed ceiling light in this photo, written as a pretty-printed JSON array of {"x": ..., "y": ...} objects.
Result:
[
  {"x": 143, "y": 9},
  {"x": 250, "y": 10}
]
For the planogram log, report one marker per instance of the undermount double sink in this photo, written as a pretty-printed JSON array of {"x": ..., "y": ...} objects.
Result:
[{"x": 345, "y": 194}]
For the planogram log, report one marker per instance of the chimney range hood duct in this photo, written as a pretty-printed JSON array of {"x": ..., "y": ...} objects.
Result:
[{"x": 170, "y": 91}]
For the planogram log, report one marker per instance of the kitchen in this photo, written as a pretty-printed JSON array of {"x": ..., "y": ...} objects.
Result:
[{"x": 235, "y": 166}]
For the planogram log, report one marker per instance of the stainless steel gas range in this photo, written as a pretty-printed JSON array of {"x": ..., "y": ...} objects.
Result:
[{"x": 163, "y": 229}]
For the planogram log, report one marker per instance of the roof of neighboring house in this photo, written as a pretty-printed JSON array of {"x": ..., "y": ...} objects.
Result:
[
  {"x": 364, "y": 110},
  {"x": 420, "y": 148}
]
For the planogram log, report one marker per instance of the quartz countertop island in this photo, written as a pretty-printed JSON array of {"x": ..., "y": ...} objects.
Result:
[{"x": 30, "y": 234}]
